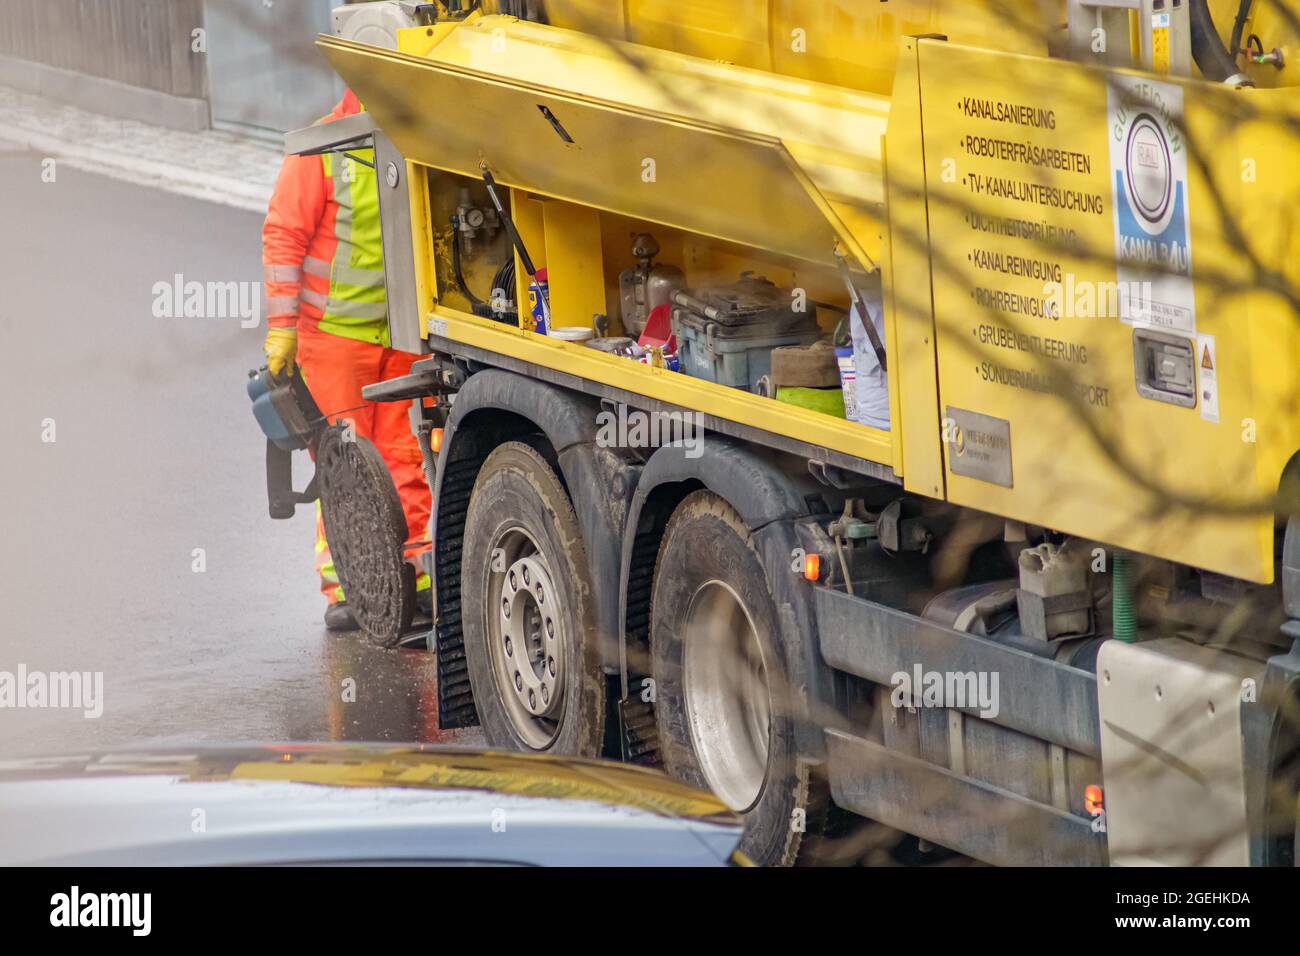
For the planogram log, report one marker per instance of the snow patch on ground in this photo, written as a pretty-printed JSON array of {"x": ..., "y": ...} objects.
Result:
[{"x": 210, "y": 165}]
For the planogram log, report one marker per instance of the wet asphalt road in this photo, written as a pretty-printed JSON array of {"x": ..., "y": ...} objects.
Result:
[{"x": 155, "y": 454}]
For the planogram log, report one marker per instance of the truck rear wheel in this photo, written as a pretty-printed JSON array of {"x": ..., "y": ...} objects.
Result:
[
  {"x": 526, "y": 592},
  {"x": 722, "y": 696}
]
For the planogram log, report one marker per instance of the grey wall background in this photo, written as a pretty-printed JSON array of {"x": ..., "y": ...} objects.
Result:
[
  {"x": 261, "y": 72},
  {"x": 142, "y": 43},
  {"x": 264, "y": 71}
]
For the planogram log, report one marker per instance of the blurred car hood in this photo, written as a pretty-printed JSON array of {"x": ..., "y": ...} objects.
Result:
[{"x": 352, "y": 803}]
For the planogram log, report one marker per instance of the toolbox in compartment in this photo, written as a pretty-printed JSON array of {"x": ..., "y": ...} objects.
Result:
[{"x": 726, "y": 334}]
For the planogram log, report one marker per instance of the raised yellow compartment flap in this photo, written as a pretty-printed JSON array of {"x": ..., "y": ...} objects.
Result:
[{"x": 709, "y": 148}]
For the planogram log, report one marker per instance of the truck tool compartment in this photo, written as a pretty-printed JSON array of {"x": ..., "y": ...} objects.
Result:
[{"x": 956, "y": 625}]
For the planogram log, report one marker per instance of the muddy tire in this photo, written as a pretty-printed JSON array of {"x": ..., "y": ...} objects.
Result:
[
  {"x": 723, "y": 704},
  {"x": 528, "y": 624}
]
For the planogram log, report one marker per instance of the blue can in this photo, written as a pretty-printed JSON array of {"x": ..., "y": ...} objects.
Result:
[
  {"x": 539, "y": 302},
  {"x": 848, "y": 381}
]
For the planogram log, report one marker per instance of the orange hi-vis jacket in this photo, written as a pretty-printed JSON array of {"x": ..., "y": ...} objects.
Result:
[{"x": 322, "y": 250}]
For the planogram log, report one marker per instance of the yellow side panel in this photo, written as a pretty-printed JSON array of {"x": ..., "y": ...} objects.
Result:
[
  {"x": 735, "y": 31},
  {"x": 850, "y": 43},
  {"x": 574, "y": 263},
  {"x": 909, "y": 307},
  {"x": 426, "y": 274},
  {"x": 1038, "y": 380},
  {"x": 855, "y": 43},
  {"x": 418, "y": 41},
  {"x": 1264, "y": 159}
]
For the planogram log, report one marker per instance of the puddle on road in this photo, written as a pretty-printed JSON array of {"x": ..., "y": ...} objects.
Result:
[
  {"x": 331, "y": 687},
  {"x": 373, "y": 693}
]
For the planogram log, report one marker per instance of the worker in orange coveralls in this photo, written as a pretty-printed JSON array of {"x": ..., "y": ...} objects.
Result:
[{"x": 327, "y": 309}]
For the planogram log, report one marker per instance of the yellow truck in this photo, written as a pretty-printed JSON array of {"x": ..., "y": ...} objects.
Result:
[{"x": 875, "y": 410}]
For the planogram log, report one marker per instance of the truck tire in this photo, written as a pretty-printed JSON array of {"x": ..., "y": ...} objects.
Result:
[
  {"x": 526, "y": 600},
  {"x": 722, "y": 694}
]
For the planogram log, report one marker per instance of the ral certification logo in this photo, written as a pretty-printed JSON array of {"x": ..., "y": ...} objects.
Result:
[{"x": 1153, "y": 242}]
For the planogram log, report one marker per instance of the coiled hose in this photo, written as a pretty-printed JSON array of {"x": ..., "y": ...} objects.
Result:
[
  {"x": 1213, "y": 58},
  {"x": 1239, "y": 26},
  {"x": 1122, "y": 616}
]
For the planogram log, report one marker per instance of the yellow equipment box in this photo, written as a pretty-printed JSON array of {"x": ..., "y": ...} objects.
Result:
[
  {"x": 1110, "y": 262},
  {"x": 1088, "y": 274}
]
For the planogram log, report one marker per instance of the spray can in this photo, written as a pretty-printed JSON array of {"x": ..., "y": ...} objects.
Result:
[
  {"x": 848, "y": 381},
  {"x": 539, "y": 302}
]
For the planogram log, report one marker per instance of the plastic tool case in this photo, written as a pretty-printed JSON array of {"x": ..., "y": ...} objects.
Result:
[{"x": 726, "y": 334}]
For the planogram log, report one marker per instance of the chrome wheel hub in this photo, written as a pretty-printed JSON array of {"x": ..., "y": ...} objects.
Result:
[
  {"x": 728, "y": 701},
  {"x": 529, "y": 638}
]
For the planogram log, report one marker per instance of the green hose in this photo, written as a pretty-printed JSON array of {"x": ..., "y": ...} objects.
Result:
[{"x": 1123, "y": 620}]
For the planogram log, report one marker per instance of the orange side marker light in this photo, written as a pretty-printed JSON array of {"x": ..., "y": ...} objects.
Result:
[{"x": 1093, "y": 799}]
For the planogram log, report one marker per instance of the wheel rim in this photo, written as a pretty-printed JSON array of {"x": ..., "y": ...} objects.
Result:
[
  {"x": 527, "y": 638},
  {"x": 728, "y": 702}
]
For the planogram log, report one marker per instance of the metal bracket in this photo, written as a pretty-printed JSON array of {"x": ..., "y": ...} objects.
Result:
[{"x": 348, "y": 132}]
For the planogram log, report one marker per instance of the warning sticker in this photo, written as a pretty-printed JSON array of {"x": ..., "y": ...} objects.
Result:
[
  {"x": 1207, "y": 377},
  {"x": 1160, "y": 43},
  {"x": 1153, "y": 244}
]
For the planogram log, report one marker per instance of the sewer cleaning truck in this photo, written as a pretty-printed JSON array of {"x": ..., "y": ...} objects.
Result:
[{"x": 879, "y": 410}]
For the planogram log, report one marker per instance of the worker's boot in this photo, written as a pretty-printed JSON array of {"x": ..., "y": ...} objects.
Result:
[{"x": 338, "y": 617}]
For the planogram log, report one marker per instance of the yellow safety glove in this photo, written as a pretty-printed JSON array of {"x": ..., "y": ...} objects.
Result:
[{"x": 281, "y": 346}]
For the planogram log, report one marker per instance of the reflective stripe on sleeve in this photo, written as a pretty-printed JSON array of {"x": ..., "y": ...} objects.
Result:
[
  {"x": 282, "y": 305},
  {"x": 313, "y": 298},
  {"x": 316, "y": 267},
  {"x": 290, "y": 274}
]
